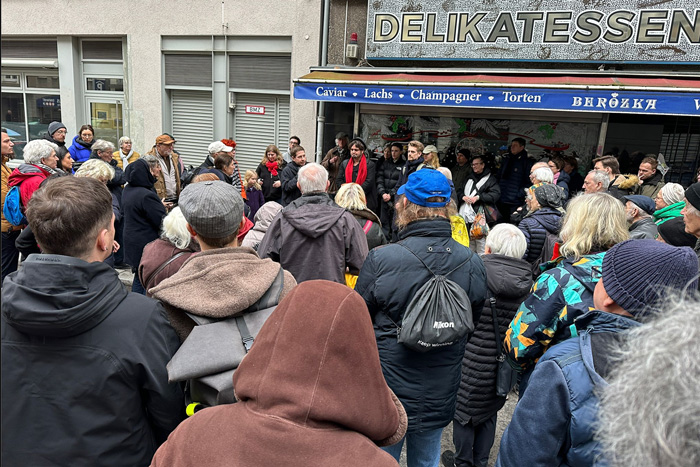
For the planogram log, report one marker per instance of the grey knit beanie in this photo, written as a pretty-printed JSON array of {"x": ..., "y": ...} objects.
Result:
[{"x": 54, "y": 127}]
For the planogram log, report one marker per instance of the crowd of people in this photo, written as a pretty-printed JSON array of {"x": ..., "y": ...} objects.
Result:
[{"x": 574, "y": 283}]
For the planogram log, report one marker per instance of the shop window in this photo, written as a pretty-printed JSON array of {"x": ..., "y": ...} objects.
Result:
[{"x": 105, "y": 84}]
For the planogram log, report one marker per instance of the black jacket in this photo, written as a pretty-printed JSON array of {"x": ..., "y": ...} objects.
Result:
[
  {"x": 84, "y": 378},
  {"x": 375, "y": 235},
  {"x": 269, "y": 192},
  {"x": 509, "y": 281},
  {"x": 535, "y": 227},
  {"x": 489, "y": 193},
  {"x": 369, "y": 185},
  {"x": 288, "y": 177},
  {"x": 426, "y": 383},
  {"x": 388, "y": 174},
  {"x": 142, "y": 209},
  {"x": 62, "y": 148},
  {"x": 515, "y": 176},
  {"x": 408, "y": 169},
  {"x": 114, "y": 185}
]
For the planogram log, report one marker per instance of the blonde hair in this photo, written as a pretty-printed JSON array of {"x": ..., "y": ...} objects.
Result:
[
  {"x": 434, "y": 161},
  {"x": 351, "y": 196},
  {"x": 593, "y": 222},
  {"x": 274, "y": 149},
  {"x": 250, "y": 174},
  {"x": 418, "y": 145},
  {"x": 413, "y": 212},
  {"x": 96, "y": 168}
]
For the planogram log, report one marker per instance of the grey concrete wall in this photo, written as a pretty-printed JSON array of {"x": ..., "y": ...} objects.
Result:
[{"x": 145, "y": 21}]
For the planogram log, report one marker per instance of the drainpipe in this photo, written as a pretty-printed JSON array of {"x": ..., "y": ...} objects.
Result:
[{"x": 321, "y": 109}]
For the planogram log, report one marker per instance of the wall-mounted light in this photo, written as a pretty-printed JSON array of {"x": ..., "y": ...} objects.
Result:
[{"x": 351, "y": 48}]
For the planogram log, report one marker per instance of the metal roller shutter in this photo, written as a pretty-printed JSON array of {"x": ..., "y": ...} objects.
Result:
[
  {"x": 193, "y": 124},
  {"x": 254, "y": 132}
]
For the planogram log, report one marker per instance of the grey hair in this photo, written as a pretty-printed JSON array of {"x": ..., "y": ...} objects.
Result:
[
  {"x": 124, "y": 139},
  {"x": 151, "y": 159},
  {"x": 507, "y": 240},
  {"x": 641, "y": 213},
  {"x": 672, "y": 193},
  {"x": 96, "y": 168},
  {"x": 38, "y": 149},
  {"x": 312, "y": 177},
  {"x": 102, "y": 145},
  {"x": 649, "y": 412},
  {"x": 175, "y": 229},
  {"x": 600, "y": 176},
  {"x": 690, "y": 209},
  {"x": 446, "y": 172},
  {"x": 543, "y": 174}
]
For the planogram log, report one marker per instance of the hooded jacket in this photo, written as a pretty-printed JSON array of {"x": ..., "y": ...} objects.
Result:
[
  {"x": 426, "y": 383},
  {"x": 624, "y": 185},
  {"x": 375, "y": 235},
  {"x": 80, "y": 150},
  {"x": 143, "y": 211},
  {"x": 509, "y": 281},
  {"x": 314, "y": 238},
  {"x": 263, "y": 219},
  {"x": 333, "y": 409},
  {"x": 535, "y": 227},
  {"x": 197, "y": 287},
  {"x": 555, "y": 420},
  {"x": 83, "y": 367},
  {"x": 29, "y": 177}
]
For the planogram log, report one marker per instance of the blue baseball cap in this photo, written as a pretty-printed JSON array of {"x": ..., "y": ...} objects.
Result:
[
  {"x": 644, "y": 202},
  {"x": 426, "y": 183}
]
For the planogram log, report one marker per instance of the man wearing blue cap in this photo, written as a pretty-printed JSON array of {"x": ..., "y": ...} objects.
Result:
[
  {"x": 426, "y": 383},
  {"x": 555, "y": 420},
  {"x": 639, "y": 210}
]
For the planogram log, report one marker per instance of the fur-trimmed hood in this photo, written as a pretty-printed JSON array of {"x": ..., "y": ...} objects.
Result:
[{"x": 626, "y": 182}]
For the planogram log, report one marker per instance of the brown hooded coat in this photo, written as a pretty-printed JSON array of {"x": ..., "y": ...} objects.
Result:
[{"x": 311, "y": 392}]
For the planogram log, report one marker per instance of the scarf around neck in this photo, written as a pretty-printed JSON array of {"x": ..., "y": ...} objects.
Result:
[
  {"x": 125, "y": 157},
  {"x": 361, "y": 171},
  {"x": 47, "y": 168},
  {"x": 272, "y": 167}
]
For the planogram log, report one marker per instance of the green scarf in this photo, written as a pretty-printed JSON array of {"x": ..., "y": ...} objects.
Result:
[{"x": 668, "y": 213}]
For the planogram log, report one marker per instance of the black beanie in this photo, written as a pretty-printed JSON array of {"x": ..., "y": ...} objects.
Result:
[
  {"x": 673, "y": 232},
  {"x": 692, "y": 194}
]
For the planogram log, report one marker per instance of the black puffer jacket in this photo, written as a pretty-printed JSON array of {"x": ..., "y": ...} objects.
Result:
[
  {"x": 426, "y": 383},
  {"x": 288, "y": 177},
  {"x": 535, "y": 227},
  {"x": 388, "y": 174},
  {"x": 509, "y": 281},
  {"x": 270, "y": 193},
  {"x": 143, "y": 211},
  {"x": 83, "y": 367}
]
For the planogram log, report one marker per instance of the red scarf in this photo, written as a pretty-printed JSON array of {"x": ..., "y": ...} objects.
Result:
[
  {"x": 272, "y": 167},
  {"x": 361, "y": 171}
]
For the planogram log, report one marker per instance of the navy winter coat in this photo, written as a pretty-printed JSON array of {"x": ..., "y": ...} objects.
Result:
[
  {"x": 515, "y": 177},
  {"x": 142, "y": 209},
  {"x": 288, "y": 177},
  {"x": 426, "y": 383},
  {"x": 535, "y": 227}
]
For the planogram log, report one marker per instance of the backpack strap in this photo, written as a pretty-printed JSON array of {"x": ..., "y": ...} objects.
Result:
[
  {"x": 153, "y": 275},
  {"x": 367, "y": 226},
  {"x": 427, "y": 267}
]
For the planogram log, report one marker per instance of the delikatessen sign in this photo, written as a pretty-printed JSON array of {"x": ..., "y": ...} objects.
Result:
[
  {"x": 554, "y": 30},
  {"x": 614, "y": 101}
]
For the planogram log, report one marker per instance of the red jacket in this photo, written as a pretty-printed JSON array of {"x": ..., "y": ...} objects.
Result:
[{"x": 29, "y": 177}]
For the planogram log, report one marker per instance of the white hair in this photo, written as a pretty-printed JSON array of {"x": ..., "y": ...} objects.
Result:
[
  {"x": 312, "y": 177},
  {"x": 102, "y": 145},
  {"x": 38, "y": 149},
  {"x": 543, "y": 174},
  {"x": 600, "y": 176},
  {"x": 507, "y": 240},
  {"x": 641, "y": 213},
  {"x": 649, "y": 412},
  {"x": 96, "y": 168},
  {"x": 672, "y": 193},
  {"x": 446, "y": 172},
  {"x": 124, "y": 139},
  {"x": 175, "y": 229}
]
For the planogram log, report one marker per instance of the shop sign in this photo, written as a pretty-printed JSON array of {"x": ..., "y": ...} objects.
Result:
[
  {"x": 255, "y": 109},
  {"x": 50, "y": 101},
  {"x": 546, "y": 30},
  {"x": 610, "y": 101}
]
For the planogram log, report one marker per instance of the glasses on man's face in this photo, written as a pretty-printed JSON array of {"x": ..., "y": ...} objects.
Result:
[{"x": 61, "y": 132}]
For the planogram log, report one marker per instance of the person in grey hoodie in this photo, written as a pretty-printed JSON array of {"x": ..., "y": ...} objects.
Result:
[{"x": 314, "y": 238}]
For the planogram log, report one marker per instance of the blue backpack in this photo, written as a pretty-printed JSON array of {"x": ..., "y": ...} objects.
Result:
[{"x": 12, "y": 209}]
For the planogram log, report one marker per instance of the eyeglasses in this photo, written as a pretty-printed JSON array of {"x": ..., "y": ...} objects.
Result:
[{"x": 61, "y": 132}]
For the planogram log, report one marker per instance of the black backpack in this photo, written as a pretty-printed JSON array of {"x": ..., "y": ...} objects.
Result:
[
  {"x": 213, "y": 350},
  {"x": 438, "y": 315},
  {"x": 550, "y": 241},
  {"x": 189, "y": 174}
]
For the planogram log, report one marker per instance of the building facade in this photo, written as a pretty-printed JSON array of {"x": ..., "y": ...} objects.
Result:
[
  {"x": 199, "y": 70},
  {"x": 578, "y": 79}
]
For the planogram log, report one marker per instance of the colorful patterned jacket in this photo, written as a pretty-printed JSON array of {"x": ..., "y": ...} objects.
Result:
[{"x": 561, "y": 293}]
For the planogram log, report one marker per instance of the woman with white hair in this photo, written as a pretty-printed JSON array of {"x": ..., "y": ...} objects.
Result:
[
  {"x": 125, "y": 155},
  {"x": 669, "y": 203},
  {"x": 165, "y": 256},
  {"x": 593, "y": 224},
  {"x": 351, "y": 196},
  {"x": 40, "y": 162},
  {"x": 508, "y": 278}
]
